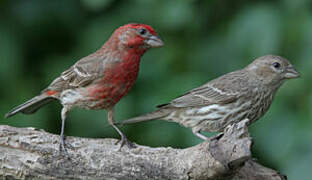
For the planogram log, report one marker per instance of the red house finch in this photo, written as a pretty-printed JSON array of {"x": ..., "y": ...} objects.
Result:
[
  {"x": 101, "y": 79},
  {"x": 246, "y": 93}
]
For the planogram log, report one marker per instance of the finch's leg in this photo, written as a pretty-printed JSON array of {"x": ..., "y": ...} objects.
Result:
[
  {"x": 124, "y": 140},
  {"x": 198, "y": 134},
  {"x": 217, "y": 137},
  {"x": 62, "y": 140}
]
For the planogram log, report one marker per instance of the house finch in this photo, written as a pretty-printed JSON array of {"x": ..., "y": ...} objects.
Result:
[
  {"x": 246, "y": 93},
  {"x": 101, "y": 79}
]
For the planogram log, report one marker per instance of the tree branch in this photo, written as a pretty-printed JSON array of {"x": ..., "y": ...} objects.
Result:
[{"x": 29, "y": 154}]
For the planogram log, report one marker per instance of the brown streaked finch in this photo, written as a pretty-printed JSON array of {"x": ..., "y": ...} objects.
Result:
[
  {"x": 246, "y": 93},
  {"x": 101, "y": 79}
]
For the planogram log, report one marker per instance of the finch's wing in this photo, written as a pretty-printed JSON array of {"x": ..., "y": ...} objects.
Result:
[
  {"x": 222, "y": 90},
  {"x": 202, "y": 96},
  {"x": 80, "y": 74}
]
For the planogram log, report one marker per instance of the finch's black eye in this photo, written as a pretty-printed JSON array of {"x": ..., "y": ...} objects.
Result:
[
  {"x": 276, "y": 65},
  {"x": 142, "y": 31}
]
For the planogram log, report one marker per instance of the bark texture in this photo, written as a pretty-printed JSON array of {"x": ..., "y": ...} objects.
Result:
[{"x": 26, "y": 153}]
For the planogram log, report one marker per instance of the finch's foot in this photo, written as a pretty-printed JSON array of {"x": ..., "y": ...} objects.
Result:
[
  {"x": 63, "y": 145},
  {"x": 124, "y": 141}
]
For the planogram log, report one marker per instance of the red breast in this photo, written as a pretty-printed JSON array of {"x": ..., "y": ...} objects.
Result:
[{"x": 116, "y": 82}]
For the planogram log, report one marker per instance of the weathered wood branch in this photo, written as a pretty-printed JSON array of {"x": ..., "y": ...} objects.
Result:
[{"x": 26, "y": 153}]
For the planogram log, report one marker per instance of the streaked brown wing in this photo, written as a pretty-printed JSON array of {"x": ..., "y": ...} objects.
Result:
[
  {"x": 80, "y": 74},
  {"x": 204, "y": 95},
  {"x": 222, "y": 90}
]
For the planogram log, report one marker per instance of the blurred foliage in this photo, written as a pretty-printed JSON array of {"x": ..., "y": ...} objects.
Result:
[{"x": 204, "y": 39}]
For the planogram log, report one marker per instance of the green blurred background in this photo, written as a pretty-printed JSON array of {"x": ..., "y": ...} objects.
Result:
[{"x": 204, "y": 39}]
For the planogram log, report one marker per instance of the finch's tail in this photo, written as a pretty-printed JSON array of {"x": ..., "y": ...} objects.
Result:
[
  {"x": 158, "y": 114},
  {"x": 31, "y": 105}
]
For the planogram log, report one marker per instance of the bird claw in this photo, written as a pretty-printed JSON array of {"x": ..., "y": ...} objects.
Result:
[
  {"x": 124, "y": 141},
  {"x": 63, "y": 146}
]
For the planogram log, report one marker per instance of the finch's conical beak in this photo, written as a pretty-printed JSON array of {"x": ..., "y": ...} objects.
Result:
[
  {"x": 154, "y": 41},
  {"x": 291, "y": 73}
]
